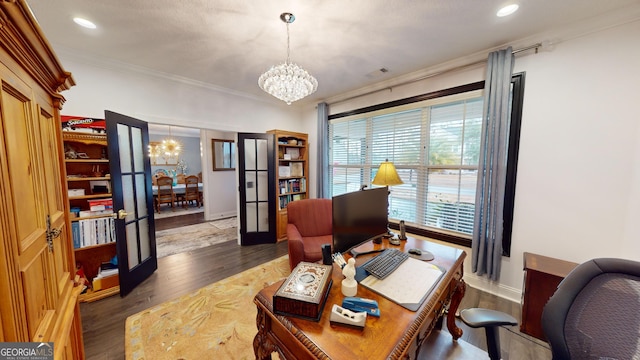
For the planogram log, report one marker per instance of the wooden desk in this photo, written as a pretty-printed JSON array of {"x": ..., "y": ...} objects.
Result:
[
  {"x": 396, "y": 334},
  {"x": 542, "y": 275}
]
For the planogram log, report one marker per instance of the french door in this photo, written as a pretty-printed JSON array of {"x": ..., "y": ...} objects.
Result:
[
  {"x": 256, "y": 163},
  {"x": 130, "y": 170}
]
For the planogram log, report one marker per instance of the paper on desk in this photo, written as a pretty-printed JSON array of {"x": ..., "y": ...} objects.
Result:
[{"x": 408, "y": 285}]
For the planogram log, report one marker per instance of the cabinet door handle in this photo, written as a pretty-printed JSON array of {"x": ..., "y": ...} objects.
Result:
[{"x": 52, "y": 233}]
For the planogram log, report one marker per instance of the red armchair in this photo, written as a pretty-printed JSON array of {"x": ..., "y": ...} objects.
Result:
[{"x": 309, "y": 226}]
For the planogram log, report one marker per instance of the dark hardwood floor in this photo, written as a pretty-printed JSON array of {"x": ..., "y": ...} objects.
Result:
[{"x": 103, "y": 321}]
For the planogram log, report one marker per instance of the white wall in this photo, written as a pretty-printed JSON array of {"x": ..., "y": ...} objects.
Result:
[
  {"x": 577, "y": 193},
  {"x": 577, "y": 188},
  {"x": 168, "y": 100},
  {"x": 219, "y": 186}
]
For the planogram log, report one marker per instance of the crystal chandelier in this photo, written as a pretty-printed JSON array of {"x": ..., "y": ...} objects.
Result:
[{"x": 288, "y": 81}]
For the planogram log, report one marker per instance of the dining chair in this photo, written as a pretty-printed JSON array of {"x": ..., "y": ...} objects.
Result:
[
  {"x": 191, "y": 191},
  {"x": 165, "y": 192}
]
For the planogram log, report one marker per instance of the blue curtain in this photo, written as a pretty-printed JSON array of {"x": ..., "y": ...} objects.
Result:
[
  {"x": 322, "y": 179},
  {"x": 492, "y": 166}
]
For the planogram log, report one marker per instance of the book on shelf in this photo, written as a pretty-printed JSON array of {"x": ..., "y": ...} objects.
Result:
[
  {"x": 107, "y": 269},
  {"x": 94, "y": 232},
  {"x": 292, "y": 185},
  {"x": 75, "y": 233}
]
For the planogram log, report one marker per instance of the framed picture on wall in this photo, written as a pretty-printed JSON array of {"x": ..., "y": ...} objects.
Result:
[{"x": 224, "y": 154}]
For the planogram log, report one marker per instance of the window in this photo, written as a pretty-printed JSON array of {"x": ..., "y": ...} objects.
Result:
[{"x": 434, "y": 142}]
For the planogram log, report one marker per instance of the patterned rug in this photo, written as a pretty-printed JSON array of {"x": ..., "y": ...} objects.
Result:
[
  {"x": 193, "y": 237},
  {"x": 215, "y": 322},
  {"x": 166, "y": 211}
]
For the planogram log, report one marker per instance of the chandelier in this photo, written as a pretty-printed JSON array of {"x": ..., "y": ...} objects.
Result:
[
  {"x": 288, "y": 81},
  {"x": 170, "y": 148}
]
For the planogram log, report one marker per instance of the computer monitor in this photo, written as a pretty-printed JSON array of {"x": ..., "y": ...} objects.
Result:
[{"x": 358, "y": 217}]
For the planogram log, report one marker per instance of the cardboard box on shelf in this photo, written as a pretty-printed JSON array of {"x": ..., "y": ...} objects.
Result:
[
  {"x": 105, "y": 282},
  {"x": 76, "y": 192},
  {"x": 101, "y": 204}
]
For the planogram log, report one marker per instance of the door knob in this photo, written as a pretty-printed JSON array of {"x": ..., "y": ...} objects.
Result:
[{"x": 121, "y": 215}]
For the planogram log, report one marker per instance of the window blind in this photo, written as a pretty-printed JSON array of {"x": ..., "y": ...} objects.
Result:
[{"x": 434, "y": 146}]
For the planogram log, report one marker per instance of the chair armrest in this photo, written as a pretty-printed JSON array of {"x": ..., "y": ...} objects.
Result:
[
  {"x": 296, "y": 248},
  {"x": 477, "y": 317}
]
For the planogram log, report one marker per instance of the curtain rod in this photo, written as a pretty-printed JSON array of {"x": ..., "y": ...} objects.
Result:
[{"x": 530, "y": 47}]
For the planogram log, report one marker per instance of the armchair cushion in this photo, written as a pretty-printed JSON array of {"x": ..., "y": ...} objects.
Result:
[{"x": 309, "y": 226}]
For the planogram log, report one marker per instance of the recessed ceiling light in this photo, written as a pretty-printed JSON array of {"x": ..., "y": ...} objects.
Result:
[
  {"x": 507, "y": 10},
  {"x": 84, "y": 23}
]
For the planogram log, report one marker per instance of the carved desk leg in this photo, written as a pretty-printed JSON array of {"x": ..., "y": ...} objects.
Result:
[
  {"x": 458, "y": 293},
  {"x": 262, "y": 346}
]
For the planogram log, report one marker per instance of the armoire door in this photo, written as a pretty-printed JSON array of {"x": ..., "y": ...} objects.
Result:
[
  {"x": 38, "y": 297},
  {"x": 33, "y": 203}
]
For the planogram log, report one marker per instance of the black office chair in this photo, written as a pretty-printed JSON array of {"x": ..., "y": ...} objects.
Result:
[{"x": 595, "y": 312}]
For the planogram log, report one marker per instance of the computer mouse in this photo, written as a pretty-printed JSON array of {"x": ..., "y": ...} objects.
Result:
[{"x": 415, "y": 252}]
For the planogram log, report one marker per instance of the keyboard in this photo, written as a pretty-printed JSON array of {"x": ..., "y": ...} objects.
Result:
[{"x": 385, "y": 263}]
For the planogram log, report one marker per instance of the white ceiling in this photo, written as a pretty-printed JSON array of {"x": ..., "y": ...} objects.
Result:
[{"x": 229, "y": 43}]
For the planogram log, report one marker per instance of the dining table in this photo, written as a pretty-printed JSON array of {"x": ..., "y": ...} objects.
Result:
[{"x": 177, "y": 189}]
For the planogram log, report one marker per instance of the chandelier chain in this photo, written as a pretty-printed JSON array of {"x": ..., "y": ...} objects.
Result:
[{"x": 288, "y": 46}]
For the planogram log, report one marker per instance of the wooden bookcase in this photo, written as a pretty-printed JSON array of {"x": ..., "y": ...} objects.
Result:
[
  {"x": 87, "y": 168},
  {"x": 292, "y": 171}
]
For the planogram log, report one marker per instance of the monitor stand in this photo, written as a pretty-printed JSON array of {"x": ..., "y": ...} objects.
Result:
[{"x": 355, "y": 253}]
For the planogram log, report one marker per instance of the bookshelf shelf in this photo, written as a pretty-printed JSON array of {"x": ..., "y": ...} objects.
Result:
[
  {"x": 95, "y": 178},
  {"x": 91, "y": 296},
  {"x": 94, "y": 196},
  {"x": 90, "y": 217},
  {"x": 90, "y": 247},
  {"x": 87, "y": 161}
]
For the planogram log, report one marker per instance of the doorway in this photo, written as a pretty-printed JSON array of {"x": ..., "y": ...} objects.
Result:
[{"x": 218, "y": 189}]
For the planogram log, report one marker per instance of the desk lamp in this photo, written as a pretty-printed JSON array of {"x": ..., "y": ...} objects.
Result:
[{"x": 387, "y": 176}]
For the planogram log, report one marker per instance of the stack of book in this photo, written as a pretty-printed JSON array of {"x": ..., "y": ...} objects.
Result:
[
  {"x": 292, "y": 185},
  {"x": 91, "y": 232}
]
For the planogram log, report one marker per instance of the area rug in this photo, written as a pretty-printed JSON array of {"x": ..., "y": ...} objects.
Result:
[
  {"x": 166, "y": 211},
  {"x": 227, "y": 223},
  {"x": 193, "y": 237},
  {"x": 215, "y": 322}
]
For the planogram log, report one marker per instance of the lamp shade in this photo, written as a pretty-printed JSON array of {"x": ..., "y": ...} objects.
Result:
[{"x": 387, "y": 175}]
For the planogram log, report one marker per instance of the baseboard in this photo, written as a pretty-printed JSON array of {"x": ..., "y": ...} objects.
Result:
[{"x": 481, "y": 283}]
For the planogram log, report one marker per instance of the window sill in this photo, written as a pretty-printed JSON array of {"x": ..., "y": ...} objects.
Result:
[{"x": 445, "y": 236}]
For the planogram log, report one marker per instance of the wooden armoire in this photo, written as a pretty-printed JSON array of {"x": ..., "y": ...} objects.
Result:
[{"x": 38, "y": 298}]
